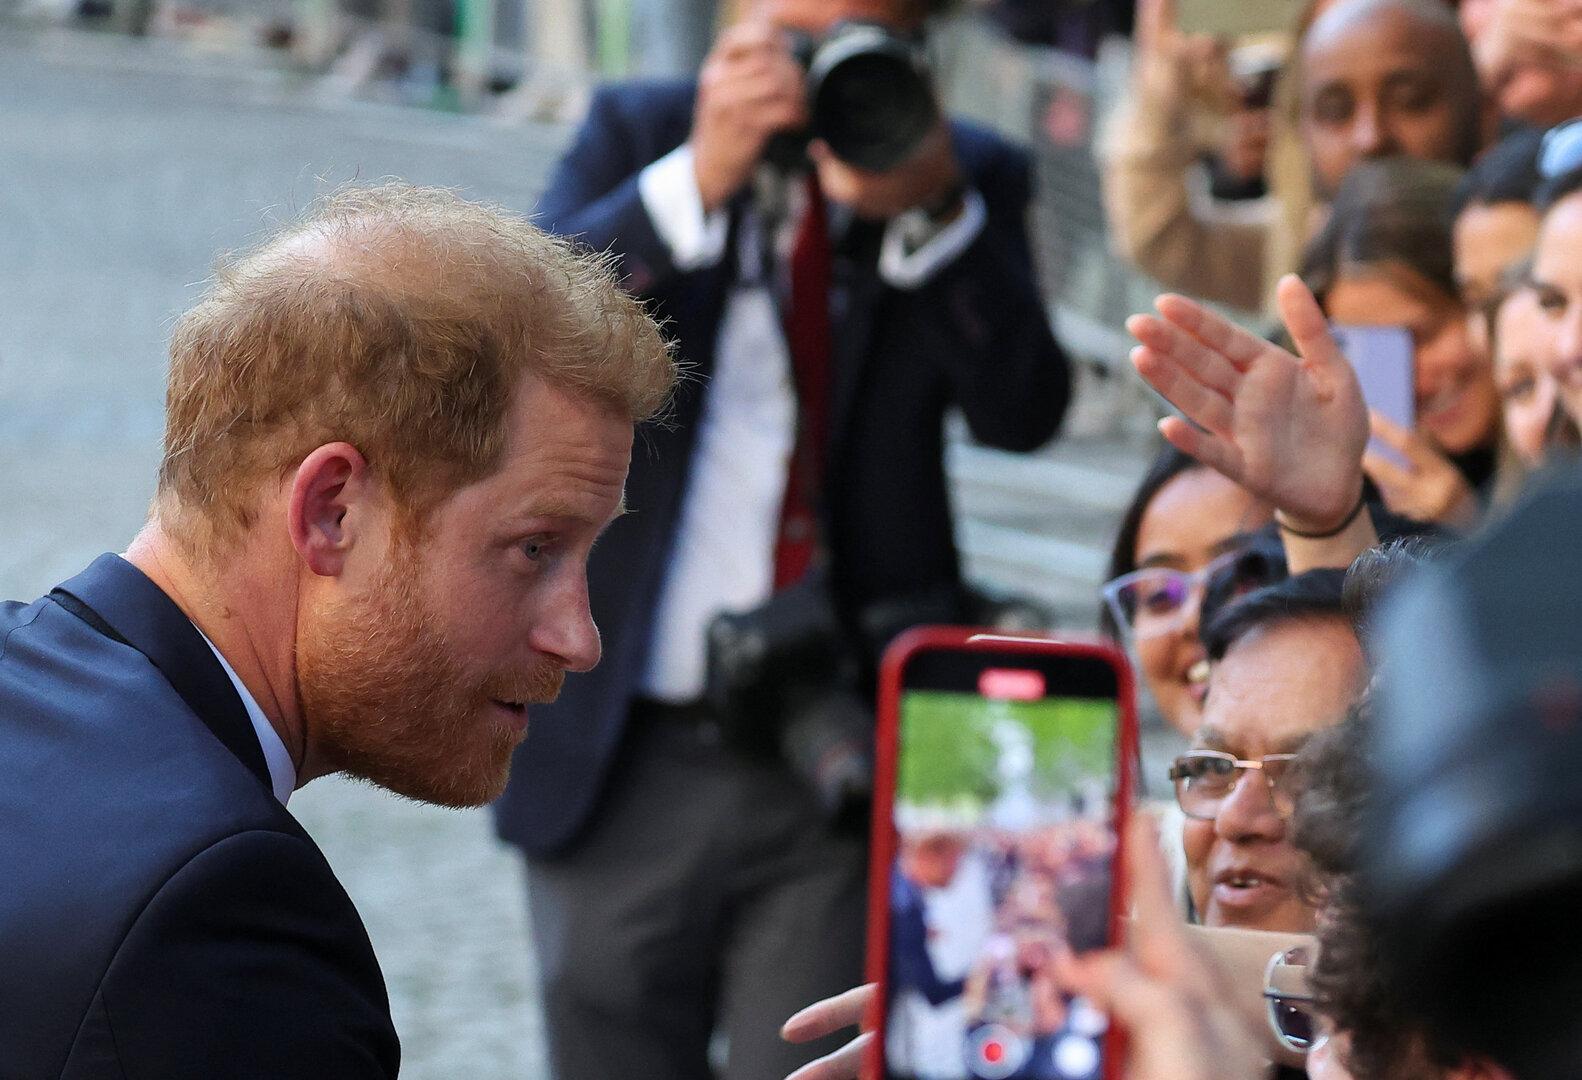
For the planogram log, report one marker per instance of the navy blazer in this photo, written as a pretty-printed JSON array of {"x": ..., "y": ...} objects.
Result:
[
  {"x": 161, "y": 915},
  {"x": 975, "y": 336}
]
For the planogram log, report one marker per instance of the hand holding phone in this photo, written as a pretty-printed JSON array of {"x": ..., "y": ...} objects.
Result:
[
  {"x": 1383, "y": 358},
  {"x": 1005, "y": 768}
]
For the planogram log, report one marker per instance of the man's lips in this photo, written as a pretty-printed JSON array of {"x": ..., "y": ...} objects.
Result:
[
  {"x": 1247, "y": 891},
  {"x": 515, "y": 712}
]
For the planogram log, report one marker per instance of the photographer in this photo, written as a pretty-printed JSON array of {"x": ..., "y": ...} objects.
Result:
[{"x": 838, "y": 265}]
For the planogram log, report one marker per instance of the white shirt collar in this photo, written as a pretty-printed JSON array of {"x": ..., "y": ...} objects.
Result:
[{"x": 282, "y": 773}]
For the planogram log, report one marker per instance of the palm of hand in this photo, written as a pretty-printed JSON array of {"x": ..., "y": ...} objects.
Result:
[
  {"x": 1301, "y": 433},
  {"x": 1291, "y": 431}
]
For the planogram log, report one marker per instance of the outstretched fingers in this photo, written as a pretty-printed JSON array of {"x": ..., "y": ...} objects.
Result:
[
  {"x": 1217, "y": 453},
  {"x": 1224, "y": 337},
  {"x": 1308, "y": 327},
  {"x": 830, "y": 1015},
  {"x": 1207, "y": 407},
  {"x": 1208, "y": 366},
  {"x": 843, "y": 1064}
]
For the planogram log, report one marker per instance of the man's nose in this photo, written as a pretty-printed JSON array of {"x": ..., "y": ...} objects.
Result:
[
  {"x": 567, "y": 632},
  {"x": 1249, "y": 811},
  {"x": 1371, "y": 136}
]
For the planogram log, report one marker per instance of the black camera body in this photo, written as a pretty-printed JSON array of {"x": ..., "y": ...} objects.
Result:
[
  {"x": 870, "y": 97},
  {"x": 791, "y": 680}
]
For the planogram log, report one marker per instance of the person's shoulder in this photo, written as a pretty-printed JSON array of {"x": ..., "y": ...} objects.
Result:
[
  {"x": 109, "y": 784},
  {"x": 984, "y": 150},
  {"x": 646, "y": 99},
  {"x": 260, "y": 913}
]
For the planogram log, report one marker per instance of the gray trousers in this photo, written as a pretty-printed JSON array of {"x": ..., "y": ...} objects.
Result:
[{"x": 706, "y": 896}]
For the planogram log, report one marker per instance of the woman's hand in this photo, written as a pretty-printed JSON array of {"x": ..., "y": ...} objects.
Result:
[
  {"x": 1291, "y": 430},
  {"x": 825, "y": 1018},
  {"x": 1427, "y": 487}
]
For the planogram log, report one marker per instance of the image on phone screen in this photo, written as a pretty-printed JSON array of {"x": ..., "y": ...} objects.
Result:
[{"x": 1003, "y": 809}]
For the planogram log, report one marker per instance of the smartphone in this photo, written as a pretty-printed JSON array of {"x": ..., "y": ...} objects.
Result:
[
  {"x": 1231, "y": 18},
  {"x": 1382, "y": 357},
  {"x": 1005, "y": 768}
]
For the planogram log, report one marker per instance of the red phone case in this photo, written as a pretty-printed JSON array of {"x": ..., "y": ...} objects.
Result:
[{"x": 964, "y": 639}]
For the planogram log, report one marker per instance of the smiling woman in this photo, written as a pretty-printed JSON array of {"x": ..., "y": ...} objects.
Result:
[{"x": 1184, "y": 523}]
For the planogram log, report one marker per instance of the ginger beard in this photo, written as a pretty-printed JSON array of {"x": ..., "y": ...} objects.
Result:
[{"x": 389, "y": 700}]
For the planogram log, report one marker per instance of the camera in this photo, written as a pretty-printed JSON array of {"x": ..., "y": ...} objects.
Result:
[
  {"x": 791, "y": 680},
  {"x": 870, "y": 97}
]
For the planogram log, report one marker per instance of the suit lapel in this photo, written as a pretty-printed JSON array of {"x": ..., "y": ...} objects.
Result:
[
  {"x": 857, "y": 281},
  {"x": 132, "y": 609}
]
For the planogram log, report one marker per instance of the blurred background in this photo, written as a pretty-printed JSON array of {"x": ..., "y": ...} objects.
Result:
[{"x": 138, "y": 139}]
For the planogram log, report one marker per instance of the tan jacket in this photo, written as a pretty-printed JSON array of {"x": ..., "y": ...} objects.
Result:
[{"x": 1162, "y": 221}]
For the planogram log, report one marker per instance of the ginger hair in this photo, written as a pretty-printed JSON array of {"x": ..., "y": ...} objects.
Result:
[{"x": 398, "y": 319}]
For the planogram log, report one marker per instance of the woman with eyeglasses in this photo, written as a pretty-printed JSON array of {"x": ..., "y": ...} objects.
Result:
[{"x": 1187, "y": 529}]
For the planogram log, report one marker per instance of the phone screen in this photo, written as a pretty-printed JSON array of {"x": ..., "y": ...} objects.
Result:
[
  {"x": 1004, "y": 816},
  {"x": 1382, "y": 357},
  {"x": 1233, "y": 17}
]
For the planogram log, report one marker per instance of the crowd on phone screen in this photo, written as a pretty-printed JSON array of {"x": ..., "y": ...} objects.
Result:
[{"x": 1280, "y": 621}]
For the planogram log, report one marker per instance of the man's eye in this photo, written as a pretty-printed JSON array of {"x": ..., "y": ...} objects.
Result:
[
  {"x": 536, "y": 548},
  {"x": 1332, "y": 107},
  {"x": 1416, "y": 95},
  {"x": 1552, "y": 302}
]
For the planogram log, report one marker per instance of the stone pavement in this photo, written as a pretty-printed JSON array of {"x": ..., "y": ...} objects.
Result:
[{"x": 124, "y": 168}]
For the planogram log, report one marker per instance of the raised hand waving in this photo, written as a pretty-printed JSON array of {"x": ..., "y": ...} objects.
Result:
[{"x": 1289, "y": 429}]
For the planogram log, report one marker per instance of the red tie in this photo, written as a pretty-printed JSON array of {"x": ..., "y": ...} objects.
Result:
[{"x": 808, "y": 335}]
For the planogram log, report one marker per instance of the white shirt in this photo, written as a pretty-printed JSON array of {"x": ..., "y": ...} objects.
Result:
[
  {"x": 723, "y": 556},
  {"x": 282, "y": 773}
]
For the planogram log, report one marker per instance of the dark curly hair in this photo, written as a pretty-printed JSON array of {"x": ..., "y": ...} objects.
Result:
[{"x": 1348, "y": 979}]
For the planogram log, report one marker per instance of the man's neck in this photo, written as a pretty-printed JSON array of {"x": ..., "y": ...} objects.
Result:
[{"x": 248, "y": 621}]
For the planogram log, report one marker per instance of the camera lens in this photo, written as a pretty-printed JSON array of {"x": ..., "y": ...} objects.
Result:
[{"x": 871, "y": 99}]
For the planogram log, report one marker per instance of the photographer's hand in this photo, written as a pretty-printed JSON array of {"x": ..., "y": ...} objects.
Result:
[
  {"x": 926, "y": 179},
  {"x": 825, "y": 1018},
  {"x": 750, "y": 88}
]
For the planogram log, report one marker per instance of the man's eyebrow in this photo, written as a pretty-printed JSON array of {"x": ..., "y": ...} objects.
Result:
[
  {"x": 555, "y": 507},
  {"x": 1533, "y": 281}
]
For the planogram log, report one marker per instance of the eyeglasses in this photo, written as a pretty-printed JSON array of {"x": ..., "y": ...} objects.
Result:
[
  {"x": 1291, "y": 1012},
  {"x": 1157, "y": 600},
  {"x": 1204, "y": 779},
  {"x": 1561, "y": 150}
]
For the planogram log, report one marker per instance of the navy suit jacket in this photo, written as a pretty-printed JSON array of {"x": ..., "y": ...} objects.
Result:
[
  {"x": 974, "y": 336},
  {"x": 161, "y": 915}
]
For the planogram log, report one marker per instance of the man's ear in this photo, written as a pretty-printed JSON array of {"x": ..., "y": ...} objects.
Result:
[{"x": 330, "y": 495}]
